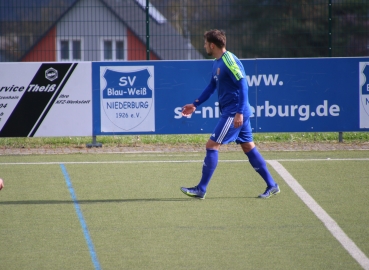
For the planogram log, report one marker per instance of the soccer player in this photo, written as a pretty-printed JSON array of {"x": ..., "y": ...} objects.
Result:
[
  {"x": 229, "y": 79},
  {"x": 1, "y": 184}
]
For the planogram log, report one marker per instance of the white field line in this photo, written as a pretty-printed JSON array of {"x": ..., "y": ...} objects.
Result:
[
  {"x": 331, "y": 225},
  {"x": 168, "y": 161}
]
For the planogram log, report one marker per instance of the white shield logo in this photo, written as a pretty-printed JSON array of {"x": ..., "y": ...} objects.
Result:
[
  {"x": 127, "y": 99},
  {"x": 364, "y": 94}
]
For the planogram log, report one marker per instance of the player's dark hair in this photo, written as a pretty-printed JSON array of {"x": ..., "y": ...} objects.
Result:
[{"x": 217, "y": 37}]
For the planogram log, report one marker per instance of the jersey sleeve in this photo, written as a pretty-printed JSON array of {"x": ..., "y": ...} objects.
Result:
[
  {"x": 242, "y": 99},
  {"x": 208, "y": 91},
  {"x": 233, "y": 67}
]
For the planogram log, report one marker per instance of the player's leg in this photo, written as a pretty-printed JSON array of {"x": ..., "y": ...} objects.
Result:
[
  {"x": 208, "y": 168},
  {"x": 210, "y": 164},
  {"x": 223, "y": 133},
  {"x": 256, "y": 160}
]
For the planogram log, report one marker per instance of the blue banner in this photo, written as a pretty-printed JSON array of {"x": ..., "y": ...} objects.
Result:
[{"x": 287, "y": 95}]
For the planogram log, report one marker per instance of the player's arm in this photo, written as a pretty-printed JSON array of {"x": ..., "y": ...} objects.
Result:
[
  {"x": 242, "y": 99},
  {"x": 188, "y": 109},
  {"x": 205, "y": 95},
  {"x": 242, "y": 102}
]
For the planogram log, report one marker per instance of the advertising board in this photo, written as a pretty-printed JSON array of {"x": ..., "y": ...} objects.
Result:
[
  {"x": 45, "y": 99},
  {"x": 286, "y": 95}
]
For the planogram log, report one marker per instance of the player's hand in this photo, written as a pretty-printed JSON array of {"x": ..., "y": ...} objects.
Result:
[
  {"x": 188, "y": 109},
  {"x": 1, "y": 183},
  {"x": 238, "y": 120}
]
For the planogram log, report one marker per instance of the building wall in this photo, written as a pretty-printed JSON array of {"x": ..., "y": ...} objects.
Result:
[
  {"x": 44, "y": 51},
  {"x": 89, "y": 21},
  {"x": 136, "y": 49},
  {"x": 96, "y": 22}
]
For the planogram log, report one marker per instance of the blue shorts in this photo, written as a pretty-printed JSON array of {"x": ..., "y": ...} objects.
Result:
[{"x": 225, "y": 132}]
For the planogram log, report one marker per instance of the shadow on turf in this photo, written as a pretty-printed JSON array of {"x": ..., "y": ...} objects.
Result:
[{"x": 117, "y": 200}]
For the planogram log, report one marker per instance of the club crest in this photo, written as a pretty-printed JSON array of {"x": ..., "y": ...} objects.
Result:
[
  {"x": 127, "y": 98},
  {"x": 364, "y": 94}
]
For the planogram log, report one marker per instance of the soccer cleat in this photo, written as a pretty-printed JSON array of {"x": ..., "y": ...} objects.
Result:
[
  {"x": 269, "y": 192},
  {"x": 193, "y": 192}
]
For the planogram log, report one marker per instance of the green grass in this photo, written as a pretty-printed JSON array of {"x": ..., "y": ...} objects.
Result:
[
  {"x": 138, "y": 218},
  {"x": 193, "y": 139}
]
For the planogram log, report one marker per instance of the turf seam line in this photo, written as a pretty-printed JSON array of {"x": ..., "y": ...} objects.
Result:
[
  {"x": 90, "y": 245},
  {"x": 329, "y": 222}
]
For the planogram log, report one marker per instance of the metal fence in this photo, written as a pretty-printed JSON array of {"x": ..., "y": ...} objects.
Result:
[{"x": 124, "y": 30}]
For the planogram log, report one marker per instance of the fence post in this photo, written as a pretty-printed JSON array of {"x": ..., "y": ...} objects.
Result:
[
  {"x": 330, "y": 28},
  {"x": 147, "y": 31},
  {"x": 340, "y": 136},
  {"x": 94, "y": 143}
]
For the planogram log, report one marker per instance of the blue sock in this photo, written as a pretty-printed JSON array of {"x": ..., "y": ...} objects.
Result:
[
  {"x": 208, "y": 168},
  {"x": 258, "y": 163}
]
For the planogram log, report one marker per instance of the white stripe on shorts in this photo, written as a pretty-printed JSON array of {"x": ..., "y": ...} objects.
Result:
[{"x": 225, "y": 129}]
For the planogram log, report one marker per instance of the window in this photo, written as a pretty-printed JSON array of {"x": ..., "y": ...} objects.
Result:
[
  {"x": 108, "y": 50},
  {"x": 113, "y": 49},
  {"x": 76, "y": 48},
  {"x": 70, "y": 50},
  {"x": 120, "y": 50},
  {"x": 64, "y": 50}
]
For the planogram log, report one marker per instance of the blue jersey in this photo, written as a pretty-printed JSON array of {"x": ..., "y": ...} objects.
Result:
[{"x": 229, "y": 79}]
